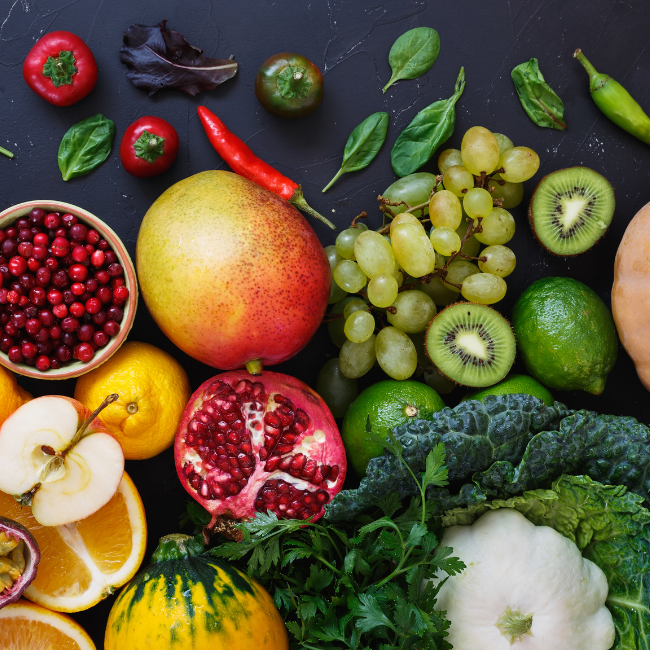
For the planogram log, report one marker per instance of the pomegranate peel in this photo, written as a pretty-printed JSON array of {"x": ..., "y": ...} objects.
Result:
[{"x": 247, "y": 445}]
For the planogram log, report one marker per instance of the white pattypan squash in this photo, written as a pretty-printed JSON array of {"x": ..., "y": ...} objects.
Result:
[{"x": 525, "y": 587}]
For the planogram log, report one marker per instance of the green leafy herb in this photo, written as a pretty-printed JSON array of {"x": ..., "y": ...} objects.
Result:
[
  {"x": 431, "y": 127},
  {"x": 359, "y": 585},
  {"x": 413, "y": 53},
  {"x": 539, "y": 100},
  {"x": 85, "y": 146},
  {"x": 363, "y": 145},
  {"x": 612, "y": 529}
]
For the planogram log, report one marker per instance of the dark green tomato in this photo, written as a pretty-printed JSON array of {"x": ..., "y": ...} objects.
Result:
[{"x": 289, "y": 85}]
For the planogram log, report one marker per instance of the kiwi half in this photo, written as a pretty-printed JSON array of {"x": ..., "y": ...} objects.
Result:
[
  {"x": 571, "y": 209},
  {"x": 471, "y": 344}
]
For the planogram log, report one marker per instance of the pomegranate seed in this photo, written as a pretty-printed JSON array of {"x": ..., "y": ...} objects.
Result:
[
  {"x": 93, "y": 305},
  {"x": 97, "y": 258},
  {"x": 42, "y": 363},
  {"x": 69, "y": 220},
  {"x": 78, "y": 289},
  {"x": 120, "y": 294},
  {"x": 77, "y": 309},
  {"x": 29, "y": 350},
  {"x": 59, "y": 310},
  {"x": 15, "y": 354},
  {"x": 78, "y": 272},
  {"x": 54, "y": 297},
  {"x": 111, "y": 327},
  {"x": 84, "y": 352},
  {"x": 79, "y": 253}
]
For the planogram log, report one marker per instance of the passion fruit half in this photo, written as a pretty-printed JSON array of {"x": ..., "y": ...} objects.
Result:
[{"x": 19, "y": 558}]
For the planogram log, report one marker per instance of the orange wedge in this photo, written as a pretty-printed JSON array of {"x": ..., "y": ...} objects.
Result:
[
  {"x": 25, "y": 625},
  {"x": 86, "y": 561}
]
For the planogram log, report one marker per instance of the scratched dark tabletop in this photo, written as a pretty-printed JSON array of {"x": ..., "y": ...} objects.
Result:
[{"x": 349, "y": 41}]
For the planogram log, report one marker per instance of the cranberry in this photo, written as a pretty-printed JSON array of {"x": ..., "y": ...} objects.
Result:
[
  {"x": 63, "y": 353},
  {"x": 79, "y": 253},
  {"x": 25, "y": 236},
  {"x": 78, "y": 272},
  {"x": 102, "y": 244},
  {"x": 85, "y": 332},
  {"x": 37, "y": 216},
  {"x": 17, "y": 265},
  {"x": 4, "y": 272},
  {"x": 59, "y": 310},
  {"x": 97, "y": 258},
  {"x": 31, "y": 311},
  {"x": 41, "y": 239},
  {"x": 3, "y": 295},
  {"x": 69, "y": 220},
  {"x": 117, "y": 282},
  {"x": 33, "y": 264},
  {"x": 104, "y": 294},
  {"x": 13, "y": 297},
  {"x": 43, "y": 276},
  {"x": 99, "y": 318},
  {"x": 54, "y": 297},
  {"x": 102, "y": 277},
  {"x": 46, "y": 317},
  {"x": 15, "y": 354},
  {"x": 29, "y": 350},
  {"x": 100, "y": 339},
  {"x": 33, "y": 325},
  {"x": 55, "y": 364},
  {"x": 111, "y": 327},
  {"x": 4, "y": 317},
  {"x": 19, "y": 319},
  {"x": 84, "y": 352},
  {"x": 115, "y": 270},
  {"x": 52, "y": 221},
  {"x": 11, "y": 329},
  {"x": 23, "y": 224},
  {"x": 69, "y": 339},
  {"x": 61, "y": 232},
  {"x": 70, "y": 324},
  {"x": 11, "y": 232},
  {"x": 93, "y": 236},
  {"x": 68, "y": 297},
  {"x": 77, "y": 309},
  {"x": 2, "y": 235},
  {"x": 24, "y": 301},
  {"x": 18, "y": 288},
  {"x": 91, "y": 285},
  {"x": 93, "y": 305},
  {"x": 42, "y": 363},
  {"x": 114, "y": 313},
  {"x": 28, "y": 281},
  {"x": 86, "y": 295},
  {"x": 120, "y": 294},
  {"x": 78, "y": 289},
  {"x": 25, "y": 249},
  {"x": 7, "y": 342},
  {"x": 51, "y": 264},
  {"x": 60, "y": 247},
  {"x": 9, "y": 247},
  {"x": 60, "y": 279},
  {"x": 42, "y": 335},
  {"x": 56, "y": 332},
  {"x": 78, "y": 232}
]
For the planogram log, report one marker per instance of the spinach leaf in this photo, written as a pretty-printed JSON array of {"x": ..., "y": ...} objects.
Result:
[
  {"x": 157, "y": 58},
  {"x": 431, "y": 127},
  {"x": 363, "y": 145},
  {"x": 539, "y": 100},
  {"x": 85, "y": 146},
  {"x": 413, "y": 53}
]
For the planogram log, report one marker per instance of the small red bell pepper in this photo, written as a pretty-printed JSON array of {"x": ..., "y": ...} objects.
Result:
[
  {"x": 60, "y": 68},
  {"x": 149, "y": 147}
]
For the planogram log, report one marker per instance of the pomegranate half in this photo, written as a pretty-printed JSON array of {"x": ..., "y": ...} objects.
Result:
[
  {"x": 230, "y": 272},
  {"x": 256, "y": 444}
]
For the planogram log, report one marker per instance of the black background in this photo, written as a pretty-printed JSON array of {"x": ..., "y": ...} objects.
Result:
[{"x": 349, "y": 41}]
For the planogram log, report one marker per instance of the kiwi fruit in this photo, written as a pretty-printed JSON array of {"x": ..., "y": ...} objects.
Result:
[
  {"x": 570, "y": 210},
  {"x": 471, "y": 344}
]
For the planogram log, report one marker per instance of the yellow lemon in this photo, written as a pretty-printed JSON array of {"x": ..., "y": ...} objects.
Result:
[
  {"x": 153, "y": 391},
  {"x": 11, "y": 394}
]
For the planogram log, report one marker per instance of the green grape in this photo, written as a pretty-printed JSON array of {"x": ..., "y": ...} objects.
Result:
[
  {"x": 458, "y": 180},
  {"x": 354, "y": 305},
  {"x": 337, "y": 391},
  {"x": 336, "y": 293},
  {"x": 440, "y": 293},
  {"x": 359, "y": 326},
  {"x": 445, "y": 210},
  {"x": 504, "y": 141},
  {"x": 500, "y": 261},
  {"x": 333, "y": 256},
  {"x": 374, "y": 254},
  {"x": 471, "y": 245},
  {"x": 404, "y": 217},
  {"x": 436, "y": 380},
  {"x": 413, "y": 250},
  {"x": 448, "y": 158},
  {"x": 441, "y": 260},
  {"x": 445, "y": 241},
  {"x": 349, "y": 276},
  {"x": 519, "y": 164},
  {"x": 511, "y": 193},
  {"x": 477, "y": 203},
  {"x": 335, "y": 327},
  {"x": 498, "y": 228},
  {"x": 421, "y": 351},
  {"x": 480, "y": 150},
  {"x": 484, "y": 288},
  {"x": 457, "y": 271},
  {"x": 414, "y": 189},
  {"x": 414, "y": 311},
  {"x": 396, "y": 353},
  {"x": 399, "y": 276},
  {"x": 345, "y": 241},
  {"x": 356, "y": 359},
  {"x": 382, "y": 290}
]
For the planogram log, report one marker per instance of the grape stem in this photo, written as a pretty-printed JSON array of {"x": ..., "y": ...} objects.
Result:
[{"x": 363, "y": 215}]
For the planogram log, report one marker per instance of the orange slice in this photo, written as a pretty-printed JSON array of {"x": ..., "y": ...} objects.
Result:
[
  {"x": 85, "y": 561},
  {"x": 25, "y": 625}
]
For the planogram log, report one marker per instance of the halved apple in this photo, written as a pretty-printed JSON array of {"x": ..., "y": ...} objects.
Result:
[{"x": 58, "y": 457}]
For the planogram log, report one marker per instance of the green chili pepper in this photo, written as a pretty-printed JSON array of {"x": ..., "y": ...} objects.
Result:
[{"x": 615, "y": 102}]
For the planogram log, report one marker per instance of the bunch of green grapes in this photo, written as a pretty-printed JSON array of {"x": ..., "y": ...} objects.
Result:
[{"x": 398, "y": 275}]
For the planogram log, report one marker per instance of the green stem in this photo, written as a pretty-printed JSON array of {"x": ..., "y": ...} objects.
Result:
[
  {"x": 338, "y": 174},
  {"x": 298, "y": 201},
  {"x": 6, "y": 152}
]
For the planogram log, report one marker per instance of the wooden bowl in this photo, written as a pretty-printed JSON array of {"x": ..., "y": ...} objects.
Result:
[{"x": 75, "y": 368}]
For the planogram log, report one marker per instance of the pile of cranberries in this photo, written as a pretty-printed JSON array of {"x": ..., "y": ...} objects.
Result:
[{"x": 63, "y": 290}]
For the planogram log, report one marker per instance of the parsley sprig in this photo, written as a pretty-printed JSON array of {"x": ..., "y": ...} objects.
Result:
[{"x": 367, "y": 584}]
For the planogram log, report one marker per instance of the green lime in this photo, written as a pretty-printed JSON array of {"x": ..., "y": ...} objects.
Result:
[
  {"x": 565, "y": 334},
  {"x": 387, "y": 403},
  {"x": 512, "y": 385}
]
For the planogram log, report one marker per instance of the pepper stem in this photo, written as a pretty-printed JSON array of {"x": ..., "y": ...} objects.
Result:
[
  {"x": 255, "y": 366},
  {"x": 298, "y": 200},
  {"x": 6, "y": 153},
  {"x": 596, "y": 79}
]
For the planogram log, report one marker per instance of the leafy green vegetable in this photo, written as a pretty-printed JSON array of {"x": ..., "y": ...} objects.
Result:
[
  {"x": 539, "y": 100},
  {"x": 358, "y": 585},
  {"x": 85, "y": 146},
  {"x": 431, "y": 127},
  {"x": 363, "y": 145},
  {"x": 412, "y": 54},
  {"x": 475, "y": 435},
  {"x": 612, "y": 529}
]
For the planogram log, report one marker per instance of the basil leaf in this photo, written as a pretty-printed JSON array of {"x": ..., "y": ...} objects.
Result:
[
  {"x": 431, "y": 127},
  {"x": 363, "y": 145},
  {"x": 85, "y": 146},
  {"x": 539, "y": 100},
  {"x": 413, "y": 53}
]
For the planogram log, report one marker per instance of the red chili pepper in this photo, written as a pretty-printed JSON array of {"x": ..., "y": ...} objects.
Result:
[
  {"x": 60, "y": 68},
  {"x": 244, "y": 162}
]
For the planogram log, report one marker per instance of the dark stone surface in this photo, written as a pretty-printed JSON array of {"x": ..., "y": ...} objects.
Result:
[{"x": 349, "y": 41}]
